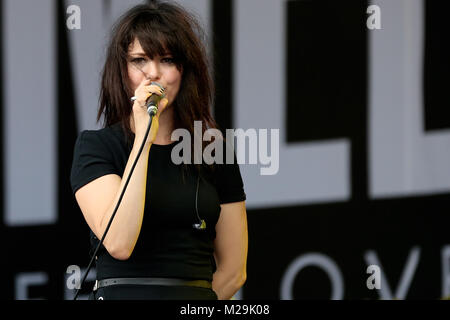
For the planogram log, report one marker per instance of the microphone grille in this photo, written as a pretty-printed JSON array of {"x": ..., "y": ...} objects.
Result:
[{"x": 152, "y": 110}]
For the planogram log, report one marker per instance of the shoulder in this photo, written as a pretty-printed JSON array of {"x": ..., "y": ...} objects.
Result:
[
  {"x": 111, "y": 132},
  {"x": 96, "y": 153},
  {"x": 102, "y": 139},
  {"x": 228, "y": 178}
]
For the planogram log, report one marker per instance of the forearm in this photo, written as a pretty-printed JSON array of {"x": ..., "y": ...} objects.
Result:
[
  {"x": 226, "y": 284},
  {"x": 125, "y": 228}
]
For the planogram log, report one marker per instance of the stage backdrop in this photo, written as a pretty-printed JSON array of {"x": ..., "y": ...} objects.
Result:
[{"x": 358, "y": 208}]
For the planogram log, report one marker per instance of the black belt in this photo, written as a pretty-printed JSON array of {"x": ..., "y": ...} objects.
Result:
[{"x": 152, "y": 281}]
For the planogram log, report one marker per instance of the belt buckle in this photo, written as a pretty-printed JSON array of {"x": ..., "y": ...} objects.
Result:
[{"x": 95, "y": 285}]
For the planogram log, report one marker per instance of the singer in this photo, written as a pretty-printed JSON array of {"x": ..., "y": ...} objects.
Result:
[{"x": 180, "y": 231}]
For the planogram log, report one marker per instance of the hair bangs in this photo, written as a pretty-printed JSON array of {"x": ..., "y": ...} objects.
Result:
[{"x": 156, "y": 38}]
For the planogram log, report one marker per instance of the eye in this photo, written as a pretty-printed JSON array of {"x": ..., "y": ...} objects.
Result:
[
  {"x": 168, "y": 60},
  {"x": 138, "y": 61}
]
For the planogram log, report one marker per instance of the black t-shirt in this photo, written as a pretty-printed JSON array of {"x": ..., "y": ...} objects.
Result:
[{"x": 168, "y": 245}]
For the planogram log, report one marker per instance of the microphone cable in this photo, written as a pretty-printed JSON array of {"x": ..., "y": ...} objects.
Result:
[
  {"x": 202, "y": 224},
  {"x": 151, "y": 111}
]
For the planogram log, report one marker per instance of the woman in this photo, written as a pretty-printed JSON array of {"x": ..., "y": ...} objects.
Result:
[{"x": 156, "y": 247}]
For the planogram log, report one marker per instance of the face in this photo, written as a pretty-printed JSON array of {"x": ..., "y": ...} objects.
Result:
[{"x": 161, "y": 69}]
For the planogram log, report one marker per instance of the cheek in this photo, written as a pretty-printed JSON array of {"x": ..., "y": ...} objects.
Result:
[
  {"x": 134, "y": 78},
  {"x": 172, "y": 76},
  {"x": 174, "y": 79}
]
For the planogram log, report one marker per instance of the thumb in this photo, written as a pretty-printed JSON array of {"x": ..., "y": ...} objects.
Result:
[{"x": 162, "y": 105}]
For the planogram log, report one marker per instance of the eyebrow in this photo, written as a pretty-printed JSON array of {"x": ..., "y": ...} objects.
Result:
[
  {"x": 143, "y": 54},
  {"x": 138, "y": 53}
]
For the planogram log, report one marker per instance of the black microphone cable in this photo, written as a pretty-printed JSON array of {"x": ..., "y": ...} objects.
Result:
[
  {"x": 152, "y": 111},
  {"x": 202, "y": 224}
]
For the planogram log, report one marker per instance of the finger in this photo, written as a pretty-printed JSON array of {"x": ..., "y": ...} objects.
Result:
[
  {"x": 147, "y": 95},
  {"x": 145, "y": 83},
  {"x": 142, "y": 98},
  {"x": 155, "y": 89}
]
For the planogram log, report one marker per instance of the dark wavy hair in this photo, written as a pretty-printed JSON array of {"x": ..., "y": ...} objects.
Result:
[{"x": 159, "y": 26}]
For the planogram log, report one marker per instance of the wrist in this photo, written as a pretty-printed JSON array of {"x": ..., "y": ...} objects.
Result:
[{"x": 138, "y": 142}]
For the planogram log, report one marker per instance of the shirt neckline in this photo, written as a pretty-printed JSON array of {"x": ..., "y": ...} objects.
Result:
[{"x": 165, "y": 145}]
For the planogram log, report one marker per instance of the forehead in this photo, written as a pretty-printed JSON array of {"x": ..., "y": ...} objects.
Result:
[{"x": 135, "y": 46}]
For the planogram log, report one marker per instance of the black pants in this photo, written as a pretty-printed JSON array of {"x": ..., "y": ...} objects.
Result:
[{"x": 152, "y": 292}]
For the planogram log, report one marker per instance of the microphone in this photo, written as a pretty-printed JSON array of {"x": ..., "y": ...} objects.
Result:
[{"x": 153, "y": 100}]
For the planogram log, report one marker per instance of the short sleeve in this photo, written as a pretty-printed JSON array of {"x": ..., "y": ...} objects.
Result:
[
  {"x": 229, "y": 184},
  {"x": 91, "y": 160}
]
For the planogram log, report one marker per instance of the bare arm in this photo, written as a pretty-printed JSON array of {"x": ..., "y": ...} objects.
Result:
[
  {"x": 230, "y": 250},
  {"x": 98, "y": 199}
]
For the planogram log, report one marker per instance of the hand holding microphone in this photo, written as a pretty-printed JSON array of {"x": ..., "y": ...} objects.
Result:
[
  {"x": 153, "y": 99},
  {"x": 149, "y": 100}
]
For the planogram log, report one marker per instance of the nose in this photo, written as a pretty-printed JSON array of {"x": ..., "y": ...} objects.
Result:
[{"x": 152, "y": 70}]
